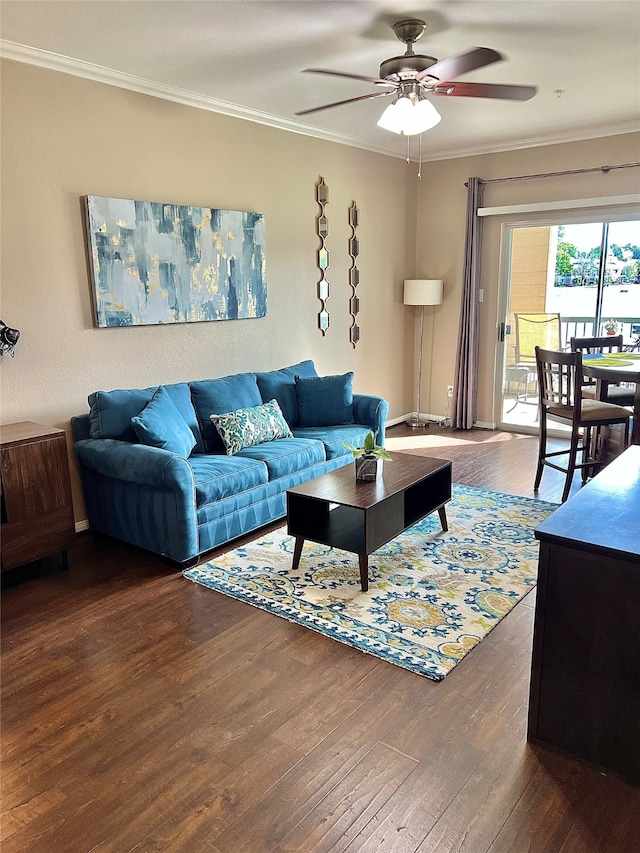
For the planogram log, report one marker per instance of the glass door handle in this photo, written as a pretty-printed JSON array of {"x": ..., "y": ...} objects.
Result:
[{"x": 504, "y": 329}]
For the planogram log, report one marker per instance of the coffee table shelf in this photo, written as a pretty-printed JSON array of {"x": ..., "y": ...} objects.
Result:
[{"x": 334, "y": 510}]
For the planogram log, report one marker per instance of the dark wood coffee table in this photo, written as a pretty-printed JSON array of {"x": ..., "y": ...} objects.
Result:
[{"x": 337, "y": 511}]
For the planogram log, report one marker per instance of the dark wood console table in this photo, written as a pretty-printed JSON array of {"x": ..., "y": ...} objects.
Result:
[{"x": 585, "y": 674}]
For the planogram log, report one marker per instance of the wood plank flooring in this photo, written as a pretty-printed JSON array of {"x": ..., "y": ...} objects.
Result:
[{"x": 141, "y": 712}]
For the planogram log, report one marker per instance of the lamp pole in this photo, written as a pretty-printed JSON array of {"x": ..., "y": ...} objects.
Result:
[
  {"x": 417, "y": 423},
  {"x": 421, "y": 292}
]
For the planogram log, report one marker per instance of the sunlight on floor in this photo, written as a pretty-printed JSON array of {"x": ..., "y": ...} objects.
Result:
[
  {"x": 427, "y": 439},
  {"x": 525, "y": 415}
]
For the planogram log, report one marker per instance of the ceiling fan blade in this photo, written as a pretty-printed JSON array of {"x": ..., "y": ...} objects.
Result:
[
  {"x": 484, "y": 90},
  {"x": 477, "y": 57},
  {"x": 375, "y": 80},
  {"x": 339, "y": 103}
]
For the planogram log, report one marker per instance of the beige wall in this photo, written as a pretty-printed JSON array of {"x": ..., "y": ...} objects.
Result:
[
  {"x": 441, "y": 229},
  {"x": 529, "y": 270},
  {"x": 64, "y": 137}
]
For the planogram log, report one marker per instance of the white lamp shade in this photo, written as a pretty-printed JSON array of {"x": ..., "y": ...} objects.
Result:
[
  {"x": 423, "y": 291},
  {"x": 409, "y": 117}
]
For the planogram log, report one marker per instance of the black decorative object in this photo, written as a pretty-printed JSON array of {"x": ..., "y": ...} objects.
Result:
[
  {"x": 8, "y": 339},
  {"x": 322, "y": 230},
  {"x": 354, "y": 274}
]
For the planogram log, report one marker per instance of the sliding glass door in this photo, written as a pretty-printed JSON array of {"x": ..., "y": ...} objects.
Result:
[{"x": 562, "y": 280}]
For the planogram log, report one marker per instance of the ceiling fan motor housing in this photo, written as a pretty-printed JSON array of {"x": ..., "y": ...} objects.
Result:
[
  {"x": 408, "y": 66},
  {"x": 405, "y": 67}
]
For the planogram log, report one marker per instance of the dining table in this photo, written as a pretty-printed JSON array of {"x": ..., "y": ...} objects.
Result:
[{"x": 611, "y": 368}]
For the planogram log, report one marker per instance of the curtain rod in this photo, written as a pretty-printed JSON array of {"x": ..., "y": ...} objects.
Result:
[{"x": 603, "y": 169}]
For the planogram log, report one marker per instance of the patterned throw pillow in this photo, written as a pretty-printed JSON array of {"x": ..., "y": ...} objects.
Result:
[{"x": 247, "y": 427}]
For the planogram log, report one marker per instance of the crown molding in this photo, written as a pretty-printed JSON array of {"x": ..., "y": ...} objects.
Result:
[
  {"x": 101, "y": 74},
  {"x": 552, "y": 138}
]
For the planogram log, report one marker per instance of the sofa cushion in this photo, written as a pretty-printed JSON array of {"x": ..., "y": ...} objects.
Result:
[
  {"x": 285, "y": 456},
  {"x": 217, "y": 477},
  {"x": 251, "y": 426},
  {"x": 215, "y": 396},
  {"x": 160, "y": 424},
  {"x": 335, "y": 437},
  {"x": 324, "y": 400},
  {"x": 280, "y": 385},
  {"x": 110, "y": 412}
]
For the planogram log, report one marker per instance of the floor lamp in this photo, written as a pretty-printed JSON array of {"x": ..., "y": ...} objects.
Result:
[{"x": 421, "y": 292}]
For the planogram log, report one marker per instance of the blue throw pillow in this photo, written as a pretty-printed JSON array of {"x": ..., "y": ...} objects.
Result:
[
  {"x": 281, "y": 386},
  {"x": 160, "y": 424},
  {"x": 217, "y": 396},
  {"x": 110, "y": 412},
  {"x": 248, "y": 427},
  {"x": 324, "y": 400}
]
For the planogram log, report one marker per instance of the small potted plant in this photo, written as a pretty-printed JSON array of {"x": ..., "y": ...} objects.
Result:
[
  {"x": 611, "y": 326},
  {"x": 369, "y": 458}
]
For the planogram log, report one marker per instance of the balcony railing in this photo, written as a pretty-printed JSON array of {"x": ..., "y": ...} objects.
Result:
[{"x": 582, "y": 327}]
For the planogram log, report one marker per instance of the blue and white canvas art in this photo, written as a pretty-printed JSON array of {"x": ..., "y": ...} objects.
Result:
[{"x": 168, "y": 263}]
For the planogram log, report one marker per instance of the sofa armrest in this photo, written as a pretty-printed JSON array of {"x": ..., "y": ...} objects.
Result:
[
  {"x": 372, "y": 412},
  {"x": 136, "y": 463}
]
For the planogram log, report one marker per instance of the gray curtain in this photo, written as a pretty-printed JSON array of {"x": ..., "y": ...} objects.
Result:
[{"x": 465, "y": 387}]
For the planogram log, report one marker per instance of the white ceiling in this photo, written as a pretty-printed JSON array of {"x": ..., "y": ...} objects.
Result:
[{"x": 245, "y": 57}]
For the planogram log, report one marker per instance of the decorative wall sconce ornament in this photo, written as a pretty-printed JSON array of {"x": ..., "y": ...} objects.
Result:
[
  {"x": 322, "y": 230},
  {"x": 354, "y": 274},
  {"x": 8, "y": 339}
]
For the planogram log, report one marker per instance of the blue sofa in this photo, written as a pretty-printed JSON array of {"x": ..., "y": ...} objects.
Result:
[{"x": 181, "y": 507}]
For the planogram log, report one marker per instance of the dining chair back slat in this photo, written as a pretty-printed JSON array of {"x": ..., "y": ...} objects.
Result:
[
  {"x": 560, "y": 398},
  {"x": 619, "y": 394}
]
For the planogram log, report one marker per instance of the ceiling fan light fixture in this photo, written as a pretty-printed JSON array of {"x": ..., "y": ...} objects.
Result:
[{"x": 409, "y": 116}]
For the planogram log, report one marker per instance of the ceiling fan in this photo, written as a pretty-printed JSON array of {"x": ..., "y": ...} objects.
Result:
[{"x": 411, "y": 77}]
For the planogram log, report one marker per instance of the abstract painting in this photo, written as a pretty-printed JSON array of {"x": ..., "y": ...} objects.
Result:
[{"x": 157, "y": 263}]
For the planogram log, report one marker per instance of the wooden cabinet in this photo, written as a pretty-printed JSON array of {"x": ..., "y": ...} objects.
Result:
[
  {"x": 37, "y": 510},
  {"x": 585, "y": 675}
]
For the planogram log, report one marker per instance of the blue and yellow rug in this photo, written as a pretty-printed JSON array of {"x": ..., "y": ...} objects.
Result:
[{"x": 432, "y": 595}]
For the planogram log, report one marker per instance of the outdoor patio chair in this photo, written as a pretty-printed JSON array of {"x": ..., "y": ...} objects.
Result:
[
  {"x": 619, "y": 394},
  {"x": 560, "y": 399},
  {"x": 531, "y": 330}
]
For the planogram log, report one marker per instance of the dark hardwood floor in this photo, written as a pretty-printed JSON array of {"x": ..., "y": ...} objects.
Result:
[{"x": 142, "y": 712}]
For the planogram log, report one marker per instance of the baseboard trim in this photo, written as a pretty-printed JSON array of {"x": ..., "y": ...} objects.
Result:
[
  {"x": 432, "y": 419},
  {"x": 436, "y": 419}
]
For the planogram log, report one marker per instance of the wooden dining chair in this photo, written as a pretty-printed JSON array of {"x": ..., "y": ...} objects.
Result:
[
  {"x": 618, "y": 394},
  {"x": 560, "y": 399}
]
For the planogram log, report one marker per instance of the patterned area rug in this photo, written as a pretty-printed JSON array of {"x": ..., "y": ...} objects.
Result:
[{"x": 432, "y": 595}]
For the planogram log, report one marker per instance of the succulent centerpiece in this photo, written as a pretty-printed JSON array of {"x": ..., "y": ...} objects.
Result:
[{"x": 369, "y": 458}]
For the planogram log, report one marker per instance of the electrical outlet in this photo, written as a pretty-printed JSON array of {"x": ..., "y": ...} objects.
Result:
[{"x": 449, "y": 390}]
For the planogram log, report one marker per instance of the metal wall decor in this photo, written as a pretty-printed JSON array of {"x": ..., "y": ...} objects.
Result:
[
  {"x": 354, "y": 274},
  {"x": 322, "y": 230}
]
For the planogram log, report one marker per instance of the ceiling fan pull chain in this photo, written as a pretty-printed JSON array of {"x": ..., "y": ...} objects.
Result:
[
  {"x": 420, "y": 155},
  {"x": 408, "y": 149}
]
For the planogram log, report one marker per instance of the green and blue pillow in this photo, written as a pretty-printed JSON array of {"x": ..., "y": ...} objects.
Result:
[{"x": 250, "y": 426}]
